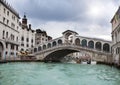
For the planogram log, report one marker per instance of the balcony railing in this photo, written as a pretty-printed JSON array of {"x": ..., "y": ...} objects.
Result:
[{"x": 11, "y": 41}]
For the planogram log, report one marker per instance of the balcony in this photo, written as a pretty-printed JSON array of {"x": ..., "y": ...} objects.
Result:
[{"x": 11, "y": 41}]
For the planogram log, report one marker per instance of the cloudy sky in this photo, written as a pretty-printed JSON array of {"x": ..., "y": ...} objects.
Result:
[{"x": 90, "y": 18}]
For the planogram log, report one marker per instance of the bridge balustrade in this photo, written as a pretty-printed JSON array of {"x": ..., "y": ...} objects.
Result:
[{"x": 70, "y": 45}]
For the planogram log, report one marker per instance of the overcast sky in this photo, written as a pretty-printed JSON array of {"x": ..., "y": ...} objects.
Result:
[{"x": 90, "y": 18}]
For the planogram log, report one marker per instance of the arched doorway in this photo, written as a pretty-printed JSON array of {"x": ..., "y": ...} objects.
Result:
[
  {"x": 91, "y": 44},
  {"x": 106, "y": 47},
  {"x": 98, "y": 45},
  {"x": 84, "y": 43},
  {"x": 1, "y": 50},
  {"x": 77, "y": 42}
]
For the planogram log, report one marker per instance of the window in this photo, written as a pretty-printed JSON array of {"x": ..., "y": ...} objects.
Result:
[
  {"x": 12, "y": 25},
  {"x": 27, "y": 39},
  {"x": 12, "y": 46},
  {"x": 3, "y": 19},
  {"x": 22, "y": 38},
  {"x": 17, "y": 27},
  {"x": 13, "y": 17},
  {"x": 32, "y": 41},
  {"x": 12, "y": 37},
  {"x": 31, "y": 45},
  {"x": 27, "y": 45},
  {"x": 7, "y": 22},
  {"x": 3, "y": 34},
  {"x": 8, "y": 13},
  {"x": 22, "y": 44},
  {"x": 6, "y": 34},
  {"x": 6, "y": 52},
  {"x": 4, "y": 10},
  {"x": 17, "y": 20},
  {"x": 37, "y": 42},
  {"x": 17, "y": 47},
  {"x": 12, "y": 53},
  {"x": 17, "y": 39},
  {"x": 22, "y": 49}
]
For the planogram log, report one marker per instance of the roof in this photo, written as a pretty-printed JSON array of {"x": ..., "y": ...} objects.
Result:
[
  {"x": 69, "y": 31},
  {"x": 9, "y": 7},
  {"x": 117, "y": 12}
]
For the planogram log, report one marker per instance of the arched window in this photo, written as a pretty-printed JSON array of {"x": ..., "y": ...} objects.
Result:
[
  {"x": 106, "y": 47},
  {"x": 3, "y": 34},
  {"x": 39, "y": 48},
  {"x": 59, "y": 42},
  {"x": 17, "y": 39},
  {"x": 6, "y": 34},
  {"x": 49, "y": 45},
  {"x": 91, "y": 44},
  {"x": 22, "y": 49},
  {"x": 35, "y": 49},
  {"x": 77, "y": 41},
  {"x": 54, "y": 43},
  {"x": 44, "y": 47},
  {"x": 22, "y": 38},
  {"x": 27, "y": 50},
  {"x": 84, "y": 43},
  {"x": 31, "y": 40},
  {"x": 27, "y": 39},
  {"x": 98, "y": 45}
]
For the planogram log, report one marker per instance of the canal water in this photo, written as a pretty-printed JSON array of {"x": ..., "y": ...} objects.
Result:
[{"x": 36, "y": 73}]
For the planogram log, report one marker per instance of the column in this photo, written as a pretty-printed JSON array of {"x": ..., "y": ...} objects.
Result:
[
  {"x": 73, "y": 38},
  {"x": 9, "y": 50},
  {"x": 4, "y": 55},
  {"x": 15, "y": 50}
]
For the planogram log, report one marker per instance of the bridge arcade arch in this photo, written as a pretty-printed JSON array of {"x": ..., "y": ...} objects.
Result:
[
  {"x": 60, "y": 42},
  {"x": 84, "y": 43},
  {"x": 49, "y": 45},
  {"x": 69, "y": 37},
  {"x": 91, "y": 44},
  {"x": 77, "y": 41},
  {"x": 98, "y": 45}
]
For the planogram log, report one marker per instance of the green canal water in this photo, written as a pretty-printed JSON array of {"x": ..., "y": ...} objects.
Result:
[{"x": 35, "y": 73}]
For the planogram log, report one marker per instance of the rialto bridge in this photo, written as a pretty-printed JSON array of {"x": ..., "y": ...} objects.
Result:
[{"x": 70, "y": 42}]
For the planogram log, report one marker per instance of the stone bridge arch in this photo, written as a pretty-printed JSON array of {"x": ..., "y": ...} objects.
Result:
[{"x": 57, "y": 53}]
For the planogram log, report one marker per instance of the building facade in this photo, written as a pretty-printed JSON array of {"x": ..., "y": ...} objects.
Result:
[
  {"x": 9, "y": 31},
  {"x": 16, "y": 36},
  {"x": 116, "y": 37},
  {"x": 27, "y": 35},
  {"x": 41, "y": 37}
]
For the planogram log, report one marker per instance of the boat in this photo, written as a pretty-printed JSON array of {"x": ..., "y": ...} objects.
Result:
[
  {"x": 84, "y": 62},
  {"x": 72, "y": 61},
  {"x": 93, "y": 62}
]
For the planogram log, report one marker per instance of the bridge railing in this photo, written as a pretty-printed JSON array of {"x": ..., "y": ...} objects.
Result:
[{"x": 69, "y": 46}]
